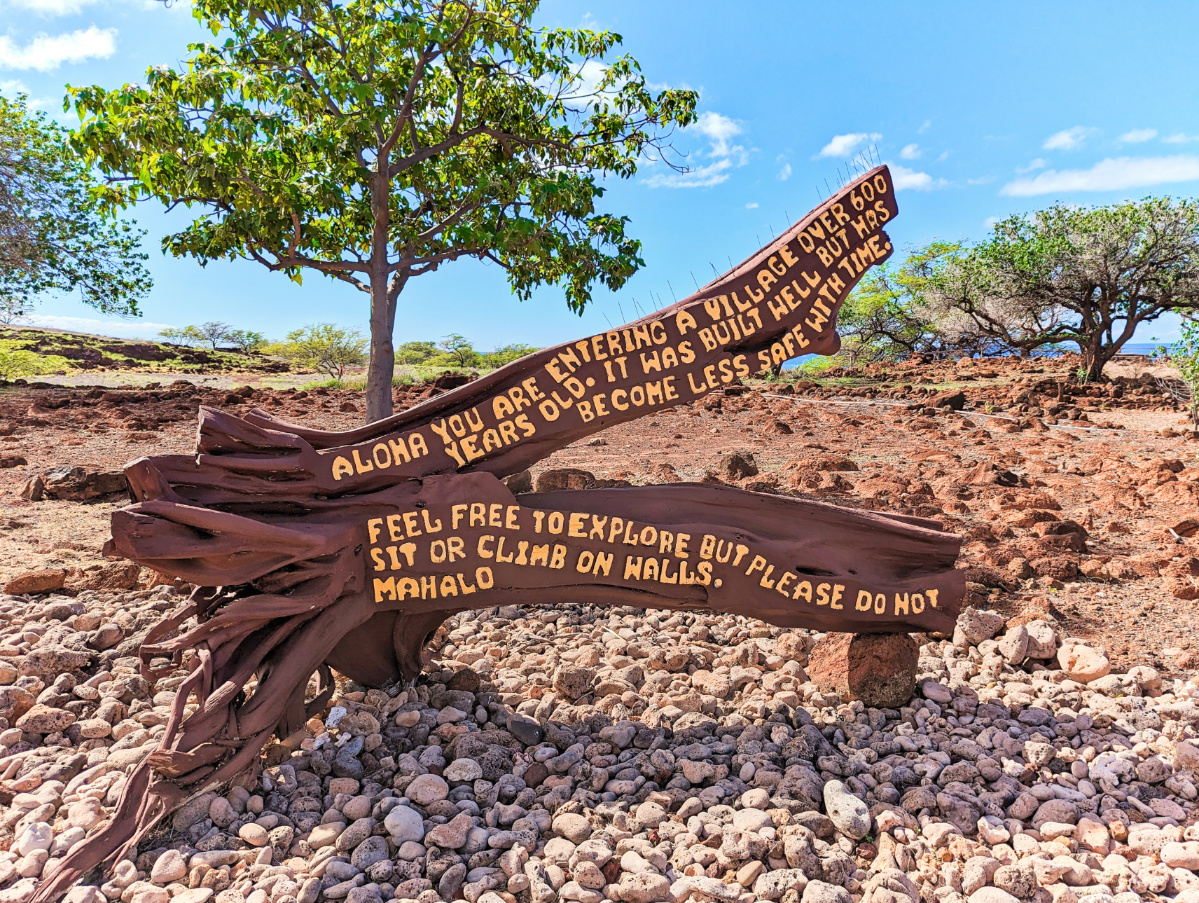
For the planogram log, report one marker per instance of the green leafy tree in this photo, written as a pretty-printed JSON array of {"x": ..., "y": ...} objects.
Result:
[
  {"x": 416, "y": 352},
  {"x": 374, "y": 141},
  {"x": 1184, "y": 358},
  {"x": 1088, "y": 276},
  {"x": 326, "y": 347},
  {"x": 55, "y": 236},
  {"x": 246, "y": 341},
  {"x": 187, "y": 336},
  {"x": 458, "y": 351},
  {"x": 506, "y": 354},
  {"x": 887, "y": 316}
]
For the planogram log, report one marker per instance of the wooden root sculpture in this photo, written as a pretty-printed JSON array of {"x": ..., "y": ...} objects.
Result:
[{"x": 315, "y": 551}]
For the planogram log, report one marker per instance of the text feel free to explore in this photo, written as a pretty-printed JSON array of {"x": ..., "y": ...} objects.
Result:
[
  {"x": 678, "y": 357},
  {"x": 418, "y": 542}
]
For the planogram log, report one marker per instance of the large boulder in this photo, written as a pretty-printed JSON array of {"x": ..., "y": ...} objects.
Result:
[
  {"x": 738, "y": 466},
  {"x": 35, "y": 582},
  {"x": 954, "y": 399},
  {"x": 1081, "y": 662},
  {"x": 75, "y": 484},
  {"x": 877, "y": 668}
]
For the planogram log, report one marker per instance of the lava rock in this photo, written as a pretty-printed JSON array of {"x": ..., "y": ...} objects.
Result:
[{"x": 878, "y": 669}]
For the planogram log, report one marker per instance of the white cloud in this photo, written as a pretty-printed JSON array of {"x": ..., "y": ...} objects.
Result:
[
  {"x": 137, "y": 329},
  {"x": 13, "y": 86},
  {"x": 724, "y": 154},
  {"x": 1181, "y": 138},
  {"x": 910, "y": 178},
  {"x": 721, "y": 130},
  {"x": 911, "y": 152},
  {"x": 844, "y": 145},
  {"x": 46, "y": 52},
  {"x": 1115, "y": 174},
  {"x": 752, "y": 205},
  {"x": 1068, "y": 139},
  {"x": 1038, "y": 163},
  {"x": 924, "y": 128},
  {"x": 991, "y": 221},
  {"x": 1136, "y": 136},
  {"x": 48, "y": 7},
  {"x": 785, "y": 172},
  {"x": 944, "y": 156}
]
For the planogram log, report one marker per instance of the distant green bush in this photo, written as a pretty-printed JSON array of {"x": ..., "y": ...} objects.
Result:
[
  {"x": 507, "y": 354},
  {"x": 17, "y": 362},
  {"x": 411, "y": 353}
]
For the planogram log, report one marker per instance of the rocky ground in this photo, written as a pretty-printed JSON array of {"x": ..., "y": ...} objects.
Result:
[{"x": 585, "y": 754}]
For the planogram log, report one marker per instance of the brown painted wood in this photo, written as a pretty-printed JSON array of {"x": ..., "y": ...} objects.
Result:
[{"x": 348, "y": 550}]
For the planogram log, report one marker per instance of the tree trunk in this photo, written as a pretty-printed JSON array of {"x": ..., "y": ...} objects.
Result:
[
  {"x": 381, "y": 367},
  {"x": 1096, "y": 358}
]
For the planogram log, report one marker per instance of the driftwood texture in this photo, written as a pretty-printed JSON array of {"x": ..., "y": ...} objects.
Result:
[{"x": 316, "y": 550}]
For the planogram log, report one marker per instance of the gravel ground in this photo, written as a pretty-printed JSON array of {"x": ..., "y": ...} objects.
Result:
[{"x": 581, "y": 754}]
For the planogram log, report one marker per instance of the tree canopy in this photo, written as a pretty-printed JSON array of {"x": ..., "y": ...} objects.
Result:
[
  {"x": 376, "y": 140},
  {"x": 1087, "y": 276},
  {"x": 887, "y": 316},
  {"x": 326, "y": 347},
  {"x": 54, "y": 233}
]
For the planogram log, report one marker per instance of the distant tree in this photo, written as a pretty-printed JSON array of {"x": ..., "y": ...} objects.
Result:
[
  {"x": 415, "y": 352},
  {"x": 1184, "y": 360},
  {"x": 458, "y": 350},
  {"x": 506, "y": 354},
  {"x": 191, "y": 335},
  {"x": 173, "y": 336},
  {"x": 55, "y": 236},
  {"x": 246, "y": 341},
  {"x": 1089, "y": 276},
  {"x": 887, "y": 316},
  {"x": 374, "y": 142},
  {"x": 326, "y": 347},
  {"x": 14, "y": 308},
  {"x": 214, "y": 332}
]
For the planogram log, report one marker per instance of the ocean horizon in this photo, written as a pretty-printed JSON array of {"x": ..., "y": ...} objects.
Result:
[{"x": 1145, "y": 348}]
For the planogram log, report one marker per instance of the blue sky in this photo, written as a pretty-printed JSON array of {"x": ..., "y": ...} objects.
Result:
[{"x": 982, "y": 110}]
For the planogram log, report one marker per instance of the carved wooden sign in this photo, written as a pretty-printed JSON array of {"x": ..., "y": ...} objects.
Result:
[{"x": 316, "y": 550}]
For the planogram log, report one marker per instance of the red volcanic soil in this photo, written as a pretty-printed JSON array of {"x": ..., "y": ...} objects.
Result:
[{"x": 1067, "y": 494}]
